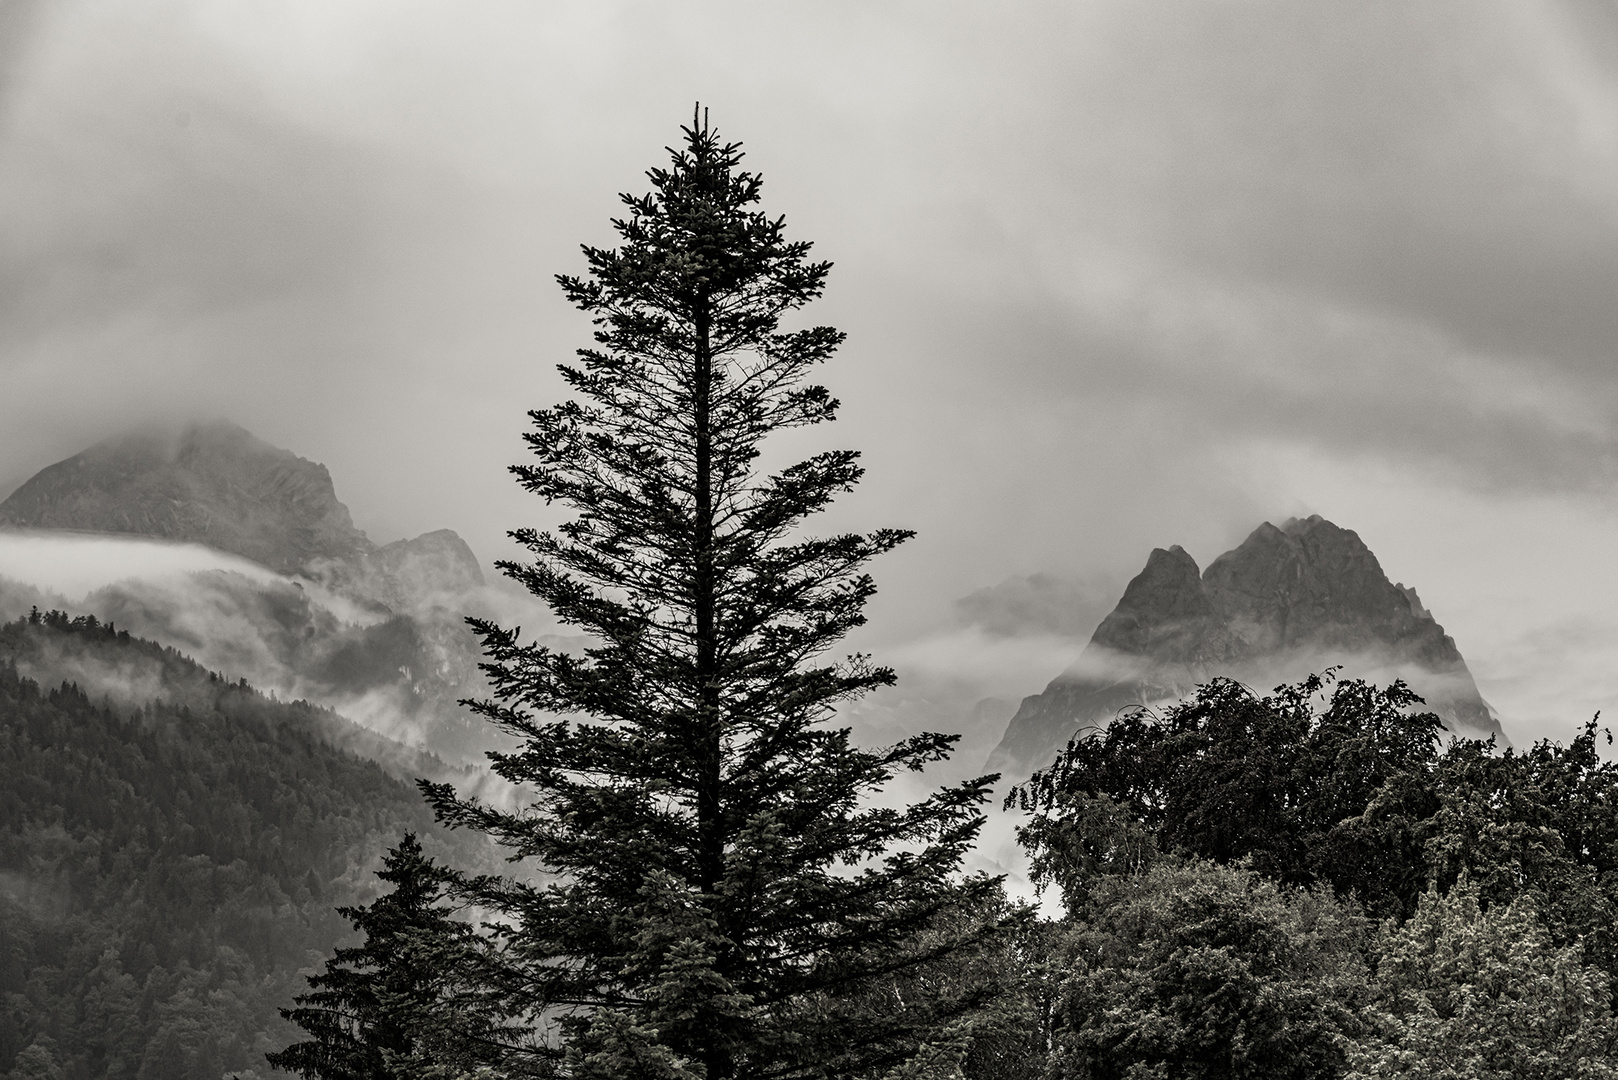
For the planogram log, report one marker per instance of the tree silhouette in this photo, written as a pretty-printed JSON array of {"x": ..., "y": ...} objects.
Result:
[
  {"x": 413, "y": 1001},
  {"x": 725, "y": 888}
]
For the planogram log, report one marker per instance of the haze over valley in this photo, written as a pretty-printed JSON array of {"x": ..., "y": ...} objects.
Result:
[{"x": 241, "y": 555}]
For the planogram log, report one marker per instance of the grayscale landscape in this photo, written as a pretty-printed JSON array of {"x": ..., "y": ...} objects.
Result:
[{"x": 1238, "y": 367}]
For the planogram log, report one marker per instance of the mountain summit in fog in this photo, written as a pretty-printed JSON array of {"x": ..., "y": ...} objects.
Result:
[
  {"x": 1288, "y": 601},
  {"x": 213, "y": 484},
  {"x": 219, "y": 485},
  {"x": 374, "y": 631}
]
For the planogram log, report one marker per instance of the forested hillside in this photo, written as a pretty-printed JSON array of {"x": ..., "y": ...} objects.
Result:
[{"x": 168, "y": 867}]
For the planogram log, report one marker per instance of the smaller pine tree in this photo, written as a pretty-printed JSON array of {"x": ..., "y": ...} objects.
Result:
[{"x": 411, "y": 1003}]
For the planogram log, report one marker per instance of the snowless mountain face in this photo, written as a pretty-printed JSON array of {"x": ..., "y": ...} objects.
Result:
[
  {"x": 212, "y": 484},
  {"x": 374, "y": 631},
  {"x": 1287, "y": 602}
]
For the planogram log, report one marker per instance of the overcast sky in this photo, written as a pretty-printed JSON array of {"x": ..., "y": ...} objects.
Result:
[{"x": 1115, "y": 275}]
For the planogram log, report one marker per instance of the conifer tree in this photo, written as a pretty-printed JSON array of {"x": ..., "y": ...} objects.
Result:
[
  {"x": 414, "y": 1001},
  {"x": 725, "y": 891}
]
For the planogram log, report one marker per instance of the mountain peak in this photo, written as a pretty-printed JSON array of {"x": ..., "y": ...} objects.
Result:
[
  {"x": 209, "y": 483},
  {"x": 1283, "y": 603},
  {"x": 1165, "y": 610},
  {"x": 1170, "y": 587},
  {"x": 1310, "y": 581}
]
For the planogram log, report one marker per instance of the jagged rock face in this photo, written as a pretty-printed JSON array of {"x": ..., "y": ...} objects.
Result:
[
  {"x": 433, "y": 570},
  {"x": 1314, "y": 584},
  {"x": 212, "y": 484},
  {"x": 217, "y": 484},
  {"x": 1166, "y": 614},
  {"x": 1287, "y": 602},
  {"x": 438, "y": 561}
]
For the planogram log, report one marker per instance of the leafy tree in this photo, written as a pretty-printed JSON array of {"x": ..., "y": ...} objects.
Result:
[
  {"x": 1082, "y": 838},
  {"x": 1007, "y": 1039},
  {"x": 1464, "y": 992},
  {"x": 1200, "y": 972},
  {"x": 725, "y": 883},
  {"x": 412, "y": 1000},
  {"x": 1026, "y": 967},
  {"x": 1303, "y": 786},
  {"x": 37, "y": 1062},
  {"x": 1358, "y": 794},
  {"x": 1542, "y": 824}
]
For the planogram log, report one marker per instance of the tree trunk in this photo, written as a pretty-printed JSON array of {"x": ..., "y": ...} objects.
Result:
[{"x": 709, "y": 734}]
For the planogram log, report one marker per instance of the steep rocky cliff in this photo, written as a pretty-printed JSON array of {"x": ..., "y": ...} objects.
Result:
[
  {"x": 1288, "y": 601},
  {"x": 433, "y": 570}
]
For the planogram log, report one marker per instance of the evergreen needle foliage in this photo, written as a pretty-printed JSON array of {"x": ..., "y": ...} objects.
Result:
[
  {"x": 408, "y": 1003},
  {"x": 725, "y": 892}
]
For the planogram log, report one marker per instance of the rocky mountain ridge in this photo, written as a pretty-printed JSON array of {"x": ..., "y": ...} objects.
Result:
[
  {"x": 218, "y": 485},
  {"x": 1286, "y": 602},
  {"x": 374, "y": 631},
  {"x": 213, "y": 484}
]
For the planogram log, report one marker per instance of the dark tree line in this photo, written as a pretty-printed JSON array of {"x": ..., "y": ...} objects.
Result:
[
  {"x": 1313, "y": 883},
  {"x": 167, "y": 869}
]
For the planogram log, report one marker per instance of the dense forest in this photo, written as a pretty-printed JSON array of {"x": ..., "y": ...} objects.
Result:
[
  {"x": 1314, "y": 883},
  {"x": 169, "y": 867}
]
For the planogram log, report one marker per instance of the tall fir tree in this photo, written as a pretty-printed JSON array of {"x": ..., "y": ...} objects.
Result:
[
  {"x": 417, "y": 1000},
  {"x": 727, "y": 889}
]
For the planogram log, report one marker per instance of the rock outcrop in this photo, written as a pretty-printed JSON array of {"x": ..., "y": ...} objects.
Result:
[
  {"x": 1288, "y": 601},
  {"x": 436, "y": 569}
]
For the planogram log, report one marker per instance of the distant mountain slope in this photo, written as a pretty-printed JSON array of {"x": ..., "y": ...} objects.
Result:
[
  {"x": 129, "y": 672},
  {"x": 399, "y": 673},
  {"x": 172, "y": 846},
  {"x": 386, "y": 642},
  {"x": 1286, "y": 602},
  {"x": 213, "y": 484},
  {"x": 217, "y": 484}
]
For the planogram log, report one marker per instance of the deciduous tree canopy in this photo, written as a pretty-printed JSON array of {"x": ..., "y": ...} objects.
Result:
[
  {"x": 1204, "y": 972},
  {"x": 1484, "y": 994}
]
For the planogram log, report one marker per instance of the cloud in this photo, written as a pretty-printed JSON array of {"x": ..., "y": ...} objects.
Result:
[
  {"x": 1239, "y": 364},
  {"x": 17, "y": 597},
  {"x": 19, "y": 20},
  {"x": 1040, "y": 604},
  {"x": 1367, "y": 229},
  {"x": 1558, "y": 673},
  {"x": 75, "y": 564},
  {"x": 1443, "y": 161}
]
